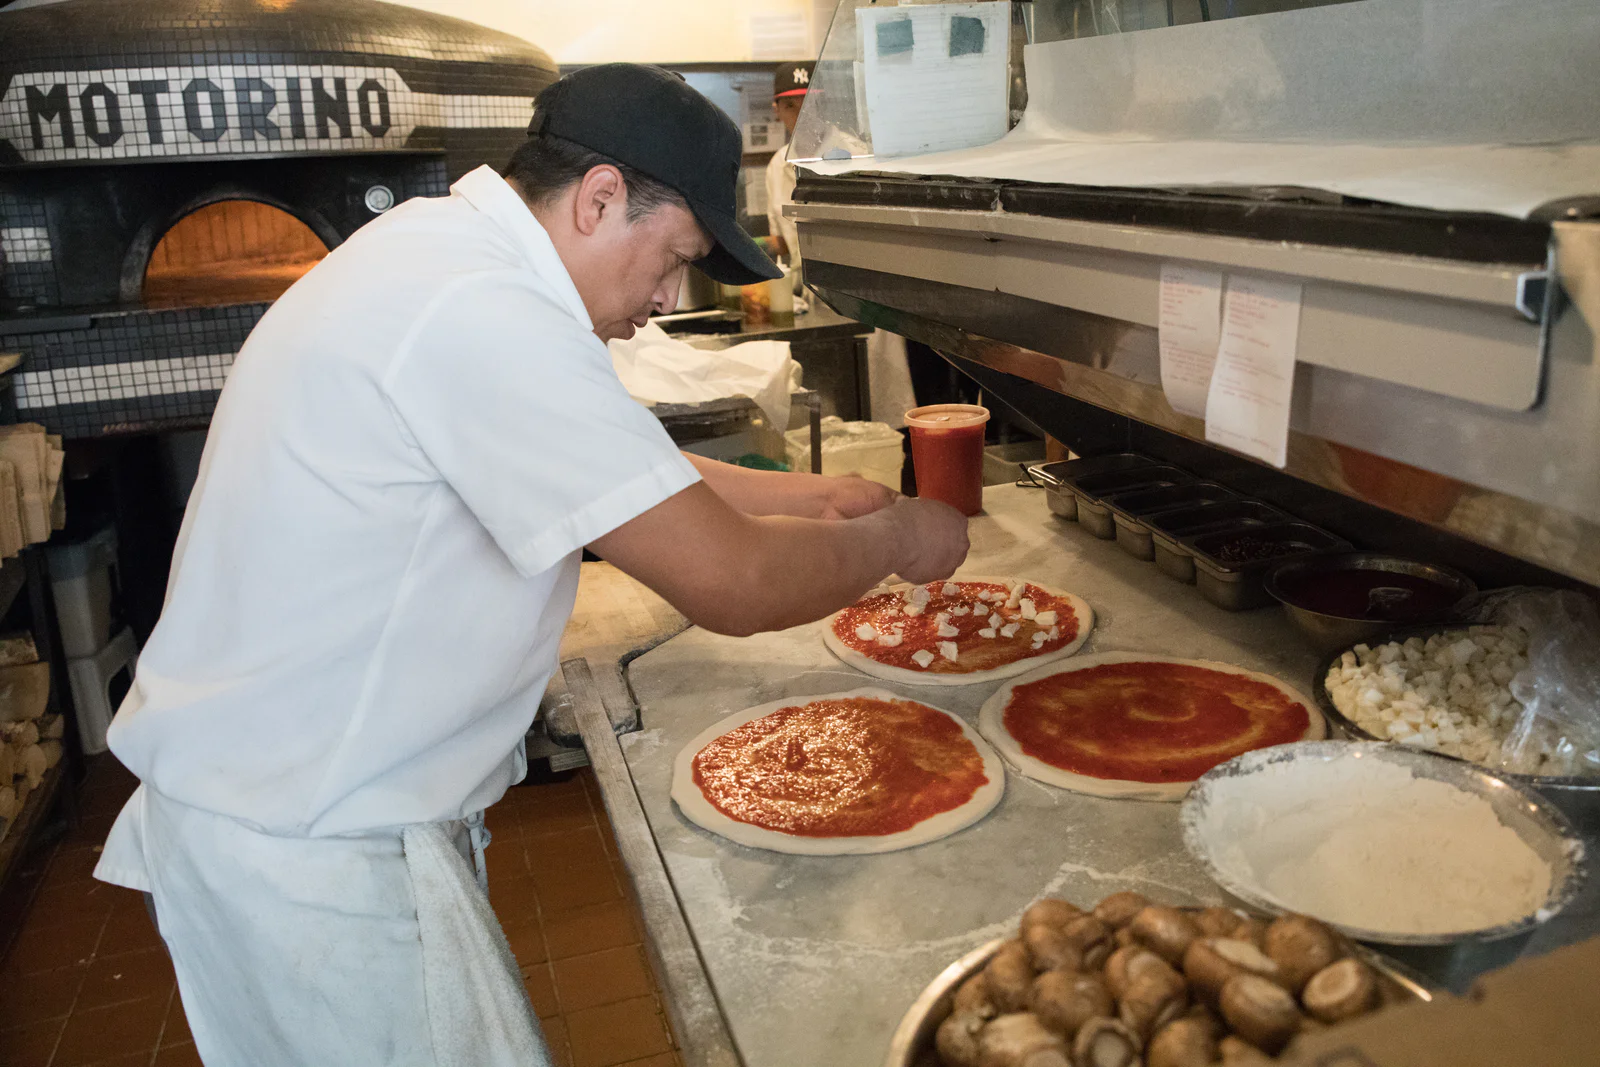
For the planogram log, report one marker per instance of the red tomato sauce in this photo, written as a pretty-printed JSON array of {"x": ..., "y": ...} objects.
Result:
[
  {"x": 949, "y": 466},
  {"x": 1149, "y": 722},
  {"x": 841, "y": 768},
  {"x": 885, "y": 612}
]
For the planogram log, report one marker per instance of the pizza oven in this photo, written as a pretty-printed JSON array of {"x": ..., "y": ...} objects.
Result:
[{"x": 168, "y": 167}]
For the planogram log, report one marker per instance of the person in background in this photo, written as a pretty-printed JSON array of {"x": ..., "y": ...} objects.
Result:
[{"x": 889, "y": 377}]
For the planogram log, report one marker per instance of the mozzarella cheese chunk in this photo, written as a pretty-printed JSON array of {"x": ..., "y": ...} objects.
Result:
[
  {"x": 1016, "y": 595},
  {"x": 950, "y": 589},
  {"x": 919, "y": 595},
  {"x": 1038, "y": 639},
  {"x": 915, "y": 609},
  {"x": 987, "y": 631},
  {"x": 947, "y": 649},
  {"x": 866, "y": 632},
  {"x": 961, "y": 609},
  {"x": 922, "y": 657},
  {"x": 1044, "y": 618},
  {"x": 890, "y": 640},
  {"x": 1010, "y": 629},
  {"x": 995, "y": 619},
  {"x": 1029, "y": 610},
  {"x": 946, "y": 630},
  {"x": 1055, "y": 632}
]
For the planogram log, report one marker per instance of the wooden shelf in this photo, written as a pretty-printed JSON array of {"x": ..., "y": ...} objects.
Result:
[{"x": 20, "y": 830}]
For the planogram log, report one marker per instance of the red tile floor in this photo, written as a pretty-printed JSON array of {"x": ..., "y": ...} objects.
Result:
[{"x": 84, "y": 979}]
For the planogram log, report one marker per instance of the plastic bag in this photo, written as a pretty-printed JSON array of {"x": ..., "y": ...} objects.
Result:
[{"x": 1558, "y": 732}]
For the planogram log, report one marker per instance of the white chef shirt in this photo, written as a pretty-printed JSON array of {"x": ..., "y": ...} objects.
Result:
[{"x": 382, "y": 549}]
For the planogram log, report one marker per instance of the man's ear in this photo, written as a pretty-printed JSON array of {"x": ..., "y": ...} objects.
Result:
[{"x": 601, "y": 190}]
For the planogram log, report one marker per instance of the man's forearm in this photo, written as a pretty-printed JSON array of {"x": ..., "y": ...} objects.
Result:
[{"x": 756, "y": 492}]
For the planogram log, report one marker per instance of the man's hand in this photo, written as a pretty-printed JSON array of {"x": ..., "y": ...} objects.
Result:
[
  {"x": 852, "y": 496},
  {"x": 933, "y": 538}
]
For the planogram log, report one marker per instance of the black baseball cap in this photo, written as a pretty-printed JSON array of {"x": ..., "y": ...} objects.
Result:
[
  {"x": 650, "y": 119},
  {"x": 792, "y": 79}
]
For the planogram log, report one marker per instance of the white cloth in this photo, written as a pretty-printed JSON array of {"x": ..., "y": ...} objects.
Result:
[
  {"x": 382, "y": 549},
  {"x": 660, "y": 369},
  {"x": 478, "y": 1008},
  {"x": 373, "y": 949}
]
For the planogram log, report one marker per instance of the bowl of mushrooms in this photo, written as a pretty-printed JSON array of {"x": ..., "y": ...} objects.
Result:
[{"x": 1130, "y": 983}]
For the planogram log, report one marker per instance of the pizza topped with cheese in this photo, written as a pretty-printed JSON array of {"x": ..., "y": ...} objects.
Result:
[
  {"x": 1122, "y": 724},
  {"x": 957, "y": 632},
  {"x": 856, "y": 772}
]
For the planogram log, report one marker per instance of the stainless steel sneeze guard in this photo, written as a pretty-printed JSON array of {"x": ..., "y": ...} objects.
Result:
[
  {"x": 1363, "y": 312},
  {"x": 1524, "y": 483}
]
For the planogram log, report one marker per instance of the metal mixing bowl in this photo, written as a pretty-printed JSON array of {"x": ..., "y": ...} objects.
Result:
[
  {"x": 1328, "y": 632},
  {"x": 1531, "y": 817},
  {"x": 1578, "y": 796},
  {"x": 912, "y": 1044}
]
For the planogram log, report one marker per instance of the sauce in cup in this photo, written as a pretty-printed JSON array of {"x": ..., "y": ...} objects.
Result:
[{"x": 947, "y": 453}]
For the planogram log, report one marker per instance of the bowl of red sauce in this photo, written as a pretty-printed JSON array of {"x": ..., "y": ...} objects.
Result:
[{"x": 1340, "y": 599}]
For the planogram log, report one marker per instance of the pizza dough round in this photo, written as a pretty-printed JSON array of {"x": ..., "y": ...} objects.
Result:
[
  {"x": 698, "y": 810},
  {"x": 991, "y": 723},
  {"x": 888, "y": 672}
]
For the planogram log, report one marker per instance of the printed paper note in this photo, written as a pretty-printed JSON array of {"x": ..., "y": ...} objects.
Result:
[
  {"x": 1191, "y": 327},
  {"x": 1253, "y": 381},
  {"x": 936, "y": 75}
]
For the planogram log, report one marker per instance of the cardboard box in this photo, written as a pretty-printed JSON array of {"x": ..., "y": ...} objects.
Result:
[{"x": 1537, "y": 1012}]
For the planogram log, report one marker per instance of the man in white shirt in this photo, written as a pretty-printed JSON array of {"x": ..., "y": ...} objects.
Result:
[{"x": 380, "y": 555}]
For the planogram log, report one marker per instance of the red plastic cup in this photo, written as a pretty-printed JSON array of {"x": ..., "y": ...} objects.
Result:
[{"x": 947, "y": 453}]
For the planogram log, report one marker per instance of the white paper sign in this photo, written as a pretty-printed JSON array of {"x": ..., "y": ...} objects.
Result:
[
  {"x": 936, "y": 75},
  {"x": 1191, "y": 328},
  {"x": 1252, "y": 384}
]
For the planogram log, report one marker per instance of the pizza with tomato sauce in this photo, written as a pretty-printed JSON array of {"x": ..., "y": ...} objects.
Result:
[
  {"x": 958, "y": 632},
  {"x": 845, "y": 773},
  {"x": 1125, "y": 725}
]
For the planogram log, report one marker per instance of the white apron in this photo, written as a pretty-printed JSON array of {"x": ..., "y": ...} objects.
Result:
[{"x": 361, "y": 950}]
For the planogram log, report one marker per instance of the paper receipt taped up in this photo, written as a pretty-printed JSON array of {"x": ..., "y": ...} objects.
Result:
[{"x": 1247, "y": 409}]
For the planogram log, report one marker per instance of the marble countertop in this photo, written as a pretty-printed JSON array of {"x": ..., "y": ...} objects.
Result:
[{"x": 815, "y": 959}]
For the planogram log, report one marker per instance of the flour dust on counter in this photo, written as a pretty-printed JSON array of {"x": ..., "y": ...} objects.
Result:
[
  {"x": 1137, "y": 726},
  {"x": 958, "y": 632},
  {"x": 840, "y": 774}
]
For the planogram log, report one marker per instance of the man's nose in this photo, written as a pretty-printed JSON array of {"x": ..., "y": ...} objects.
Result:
[{"x": 666, "y": 297}]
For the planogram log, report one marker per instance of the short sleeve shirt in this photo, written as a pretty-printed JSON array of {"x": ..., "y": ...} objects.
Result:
[{"x": 382, "y": 549}]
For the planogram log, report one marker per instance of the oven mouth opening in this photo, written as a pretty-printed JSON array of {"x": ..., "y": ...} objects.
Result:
[{"x": 235, "y": 251}]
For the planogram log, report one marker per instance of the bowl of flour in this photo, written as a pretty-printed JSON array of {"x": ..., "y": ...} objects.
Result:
[{"x": 1387, "y": 843}]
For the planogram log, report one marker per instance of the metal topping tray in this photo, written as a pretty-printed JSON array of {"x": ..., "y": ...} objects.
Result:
[
  {"x": 1232, "y": 579},
  {"x": 1171, "y": 530},
  {"x": 1095, "y": 492},
  {"x": 1055, "y": 477},
  {"x": 1130, "y": 509}
]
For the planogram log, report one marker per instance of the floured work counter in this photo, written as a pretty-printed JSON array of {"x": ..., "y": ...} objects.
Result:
[{"x": 773, "y": 960}]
